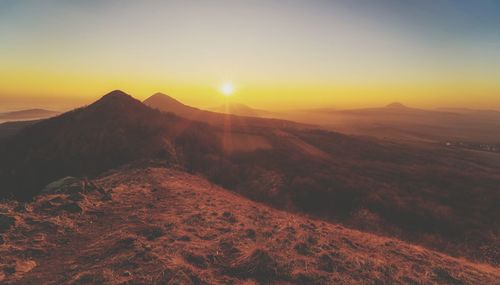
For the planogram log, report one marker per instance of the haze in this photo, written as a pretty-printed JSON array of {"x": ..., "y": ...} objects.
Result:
[{"x": 278, "y": 55}]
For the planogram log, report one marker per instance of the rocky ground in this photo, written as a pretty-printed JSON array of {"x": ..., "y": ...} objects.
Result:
[{"x": 163, "y": 226}]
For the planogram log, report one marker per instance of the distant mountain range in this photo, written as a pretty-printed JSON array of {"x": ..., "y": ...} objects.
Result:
[
  {"x": 405, "y": 124},
  {"x": 29, "y": 114}
]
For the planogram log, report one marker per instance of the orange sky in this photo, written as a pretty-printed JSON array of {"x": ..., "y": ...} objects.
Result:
[{"x": 278, "y": 55}]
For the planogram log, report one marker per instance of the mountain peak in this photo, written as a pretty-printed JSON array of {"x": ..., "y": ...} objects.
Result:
[
  {"x": 115, "y": 94},
  {"x": 396, "y": 105},
  {"x": 158, "y": 96},
  {"x": 114, "y": 97},
  {"x": 166, "y": 103}
]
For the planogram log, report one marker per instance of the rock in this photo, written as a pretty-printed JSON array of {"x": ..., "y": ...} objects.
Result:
[
  {"x": 6, "y": 223},
  {"x": 65, "y": 185}
]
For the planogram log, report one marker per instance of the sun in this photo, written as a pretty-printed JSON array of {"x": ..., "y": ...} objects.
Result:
[{"x": 227, "y": 89}]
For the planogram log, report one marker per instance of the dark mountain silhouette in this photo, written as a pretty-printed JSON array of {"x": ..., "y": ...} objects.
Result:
[
  {"x": 114, "y": 130},
  {"x": 28, "y": 114},
  {"x": 166, "y": 103}
]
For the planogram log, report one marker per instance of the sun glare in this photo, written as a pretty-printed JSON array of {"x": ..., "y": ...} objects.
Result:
[{"x": 227, "y": 89}]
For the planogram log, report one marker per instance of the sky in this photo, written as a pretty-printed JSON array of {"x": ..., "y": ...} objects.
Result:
[{"x": 277, "y": 54}]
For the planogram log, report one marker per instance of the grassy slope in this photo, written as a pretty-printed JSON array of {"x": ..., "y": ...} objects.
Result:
[{"x": 169, "y": 227}]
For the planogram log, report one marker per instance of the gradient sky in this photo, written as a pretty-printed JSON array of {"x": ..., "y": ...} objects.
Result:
[{"x": 278, "y": 54}]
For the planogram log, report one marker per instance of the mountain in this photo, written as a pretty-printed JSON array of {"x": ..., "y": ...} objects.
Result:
[
  {"x": 114, "y": 130},
  {"x": 155, "y": 225},
  {"x": 27, "y": 114},
  {"x": 240, "y": 110},
  {"x": 439, "y": 197},
  {"x": 168, "y": 104},
  {"x": 396, "y": 105}
]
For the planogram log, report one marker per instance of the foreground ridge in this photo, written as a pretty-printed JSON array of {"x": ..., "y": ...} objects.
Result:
[{"x": 164, "y": 226}]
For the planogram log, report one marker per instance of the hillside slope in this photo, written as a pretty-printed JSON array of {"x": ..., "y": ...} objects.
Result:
[
  {"x": 162, "y": 226},
  {"x": 9, "y": 129}
]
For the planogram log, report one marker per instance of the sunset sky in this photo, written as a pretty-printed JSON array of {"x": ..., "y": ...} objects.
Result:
[{"x": 277, "y": 54}]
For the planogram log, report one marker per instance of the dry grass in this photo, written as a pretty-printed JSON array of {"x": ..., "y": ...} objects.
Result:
[{"x": 162, "y": 226}]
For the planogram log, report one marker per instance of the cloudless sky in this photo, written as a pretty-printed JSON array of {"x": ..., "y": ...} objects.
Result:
[{"x": 277, "y": 54}]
